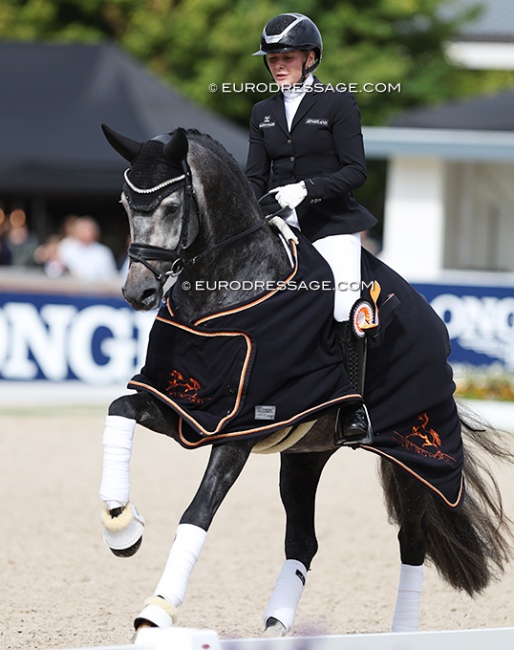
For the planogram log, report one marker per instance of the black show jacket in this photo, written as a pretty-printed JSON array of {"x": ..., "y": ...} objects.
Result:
[{"x": 324, "y": 148}]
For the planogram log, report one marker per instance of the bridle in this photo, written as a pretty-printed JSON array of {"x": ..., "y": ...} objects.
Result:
[{"x": 144, "y": 253}]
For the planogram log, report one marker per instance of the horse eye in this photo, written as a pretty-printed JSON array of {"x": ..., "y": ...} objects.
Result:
[{"x": 172, "y": 208}]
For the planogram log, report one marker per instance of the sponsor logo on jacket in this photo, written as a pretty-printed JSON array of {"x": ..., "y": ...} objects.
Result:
[
  {"x": 318, "y": 121},
  {"x": 267, "y": 122}
]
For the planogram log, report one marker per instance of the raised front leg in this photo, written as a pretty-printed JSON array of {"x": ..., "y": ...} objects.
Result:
[
  {"x": 225, "y": 464},
  {"x": 123, "y": 524},
  {"x": 299, "y": 478}
]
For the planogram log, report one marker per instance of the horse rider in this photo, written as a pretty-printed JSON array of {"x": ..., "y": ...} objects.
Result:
[{"x": 306, "y": 151}]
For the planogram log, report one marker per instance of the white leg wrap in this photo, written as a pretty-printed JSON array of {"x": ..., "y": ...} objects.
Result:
[
  {"x": 161, "y": 608},
  {"x": 287, "y": 593},
  {"x": 117, "y": 443},
  {"x": 183, "y": 556},
  {"x": 408, "y": 602}
]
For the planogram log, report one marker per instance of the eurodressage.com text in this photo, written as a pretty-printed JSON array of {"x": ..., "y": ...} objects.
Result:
[
  {"x": 271, "y": 285},
  {"x": 272, "y": 87}
]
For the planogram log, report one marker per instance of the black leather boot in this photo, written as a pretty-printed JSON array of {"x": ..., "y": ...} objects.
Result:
[
  {"x": 353, "y": 426},
  {"x": 355, "y": 423}
]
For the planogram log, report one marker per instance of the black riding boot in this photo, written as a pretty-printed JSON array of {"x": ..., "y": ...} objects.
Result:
[{"x": 353, "y": 425}]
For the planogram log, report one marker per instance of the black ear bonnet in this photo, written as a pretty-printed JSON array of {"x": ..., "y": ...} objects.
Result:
[{"x": 159, "y": 169}]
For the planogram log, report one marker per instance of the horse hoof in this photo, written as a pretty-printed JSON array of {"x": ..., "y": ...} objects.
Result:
[
  {"x": 274, "y": 628},
  {"x": 128, "y": 552},
  {"x": 142, "y": 626},
  {"x": 123, "y": 530}
]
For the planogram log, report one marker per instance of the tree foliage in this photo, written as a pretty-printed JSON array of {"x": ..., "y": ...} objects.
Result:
[{"x": 193, "y": 44}]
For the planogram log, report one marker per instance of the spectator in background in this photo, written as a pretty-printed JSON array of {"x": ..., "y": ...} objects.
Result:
[
  {"x": 21, "y": 242},
  {"x": 82, "y": 254},
  {"x": 47, "y": 254}
]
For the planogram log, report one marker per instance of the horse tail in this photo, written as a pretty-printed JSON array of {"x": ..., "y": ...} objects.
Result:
[{"x": 470, "y": 545}]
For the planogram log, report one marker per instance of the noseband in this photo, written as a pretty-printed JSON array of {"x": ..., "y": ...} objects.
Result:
[{"x": 142, "y": 253}]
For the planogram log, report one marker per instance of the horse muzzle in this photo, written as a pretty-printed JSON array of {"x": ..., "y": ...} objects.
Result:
[
  {"x": 142, "y": 289},
  {"x": 150, "y": 269}
]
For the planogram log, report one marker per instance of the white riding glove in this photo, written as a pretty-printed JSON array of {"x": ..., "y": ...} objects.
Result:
[{"x": 289, "y": 196}]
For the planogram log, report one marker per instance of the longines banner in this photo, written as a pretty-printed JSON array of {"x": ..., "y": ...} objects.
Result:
[
  {"x": 480, "y": 321},
  {"x": 99, "y": 341},
  {"x": 102, "y": 341}
]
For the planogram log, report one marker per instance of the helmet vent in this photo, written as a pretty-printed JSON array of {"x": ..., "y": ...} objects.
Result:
[
  {"x": 289, "y": 32},
  {"x": 279, "y": 24}
]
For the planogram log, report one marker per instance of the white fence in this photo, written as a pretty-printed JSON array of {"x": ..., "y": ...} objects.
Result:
[{"x": 192, "y": 639}]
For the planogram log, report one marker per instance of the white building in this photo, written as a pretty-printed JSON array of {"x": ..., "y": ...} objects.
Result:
[
  {"x": 449, "y": 195},
  {"x": 450, "y": 187}
]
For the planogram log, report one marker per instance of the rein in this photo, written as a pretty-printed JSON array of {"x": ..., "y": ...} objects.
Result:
[{"x": 143, "y": 252}]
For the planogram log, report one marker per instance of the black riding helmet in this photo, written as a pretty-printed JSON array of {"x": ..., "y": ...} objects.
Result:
[{"x": 290, "y": 32}]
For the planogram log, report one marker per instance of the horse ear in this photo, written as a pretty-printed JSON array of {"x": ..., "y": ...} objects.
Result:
[
  {"x": 177, "y": 148},
  {"x": 126, "y": 147}
]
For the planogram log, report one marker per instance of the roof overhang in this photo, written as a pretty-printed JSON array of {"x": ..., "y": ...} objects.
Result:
[
  {"x": 448, "y": 144},
  {"x": 482, "y": 55}
]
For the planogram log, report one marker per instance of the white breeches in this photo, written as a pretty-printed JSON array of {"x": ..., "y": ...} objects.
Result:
[{"x": 343, "y": 254}]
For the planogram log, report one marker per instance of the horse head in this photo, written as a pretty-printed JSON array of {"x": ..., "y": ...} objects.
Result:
[
  {"x": 191, "y": 210},
  {"x": 159, "y": 200}
]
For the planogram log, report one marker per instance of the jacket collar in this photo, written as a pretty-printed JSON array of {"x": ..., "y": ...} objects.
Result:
[{"x": 310, "y": 99}]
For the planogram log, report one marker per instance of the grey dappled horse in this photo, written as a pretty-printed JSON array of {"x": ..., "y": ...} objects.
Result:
[{"x": 191, "y": 212}]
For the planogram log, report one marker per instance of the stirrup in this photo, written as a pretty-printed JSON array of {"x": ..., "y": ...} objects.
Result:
[{"x": 342, "y": 440}]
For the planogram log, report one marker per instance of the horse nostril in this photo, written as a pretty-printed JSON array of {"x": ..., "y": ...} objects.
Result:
[
  {"x": 147, "y": 295},
  {"x": 141, "y": 301}
]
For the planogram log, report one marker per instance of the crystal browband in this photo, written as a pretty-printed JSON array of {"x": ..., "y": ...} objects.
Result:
[{"x": 156, "y": 188}]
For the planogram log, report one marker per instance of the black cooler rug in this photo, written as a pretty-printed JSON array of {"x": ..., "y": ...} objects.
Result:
[{"x": 274, "y": 361}]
